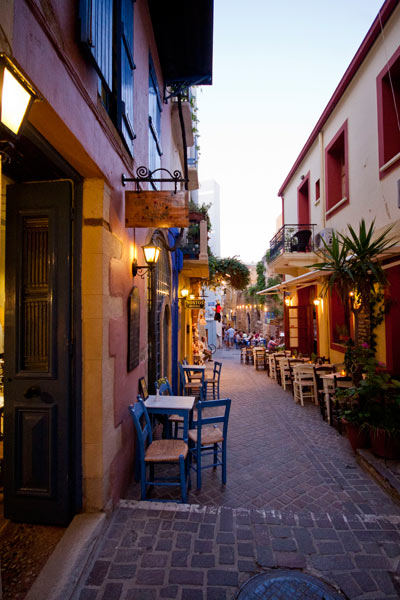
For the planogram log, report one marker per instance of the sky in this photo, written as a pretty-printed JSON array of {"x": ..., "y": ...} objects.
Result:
[{"x": 276, "y": 64}]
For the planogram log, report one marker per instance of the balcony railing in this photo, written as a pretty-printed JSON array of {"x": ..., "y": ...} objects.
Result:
[{"x": 292, "y": 238}]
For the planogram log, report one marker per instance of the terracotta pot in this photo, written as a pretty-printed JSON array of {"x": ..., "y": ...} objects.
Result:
[
  {"x": 385, "y": 445},
  {"x": 357, "y": 436}
]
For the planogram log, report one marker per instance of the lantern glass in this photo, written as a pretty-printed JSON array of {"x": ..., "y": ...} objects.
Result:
[
  {"x": 151, "y": 253},
  {"x": 15, "y": 100},
  {"x": 184, "y": 293}
]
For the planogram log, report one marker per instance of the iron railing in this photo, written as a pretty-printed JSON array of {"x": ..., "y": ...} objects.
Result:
[{"x": 294, "y": 237}]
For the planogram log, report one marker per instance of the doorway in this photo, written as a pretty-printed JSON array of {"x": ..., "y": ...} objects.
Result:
[{"x": 39, "y": 308}]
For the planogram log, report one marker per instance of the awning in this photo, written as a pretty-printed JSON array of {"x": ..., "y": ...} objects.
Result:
[
  {"x": 301, "y": 281},
  {"x": 184, "y": 38}
]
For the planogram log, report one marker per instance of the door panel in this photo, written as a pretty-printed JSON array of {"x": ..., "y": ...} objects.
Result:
[{"x": 37, "y": 352}]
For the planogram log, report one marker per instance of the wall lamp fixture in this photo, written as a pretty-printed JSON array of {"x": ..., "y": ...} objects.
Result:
[
  {"x": 151, "y": 254},
  {"x": 16, "y": 98},
  {"x": 184, "y": 294}
]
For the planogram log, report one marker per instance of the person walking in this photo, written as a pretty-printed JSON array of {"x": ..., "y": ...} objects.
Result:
[{"x": 230, "y": 335}]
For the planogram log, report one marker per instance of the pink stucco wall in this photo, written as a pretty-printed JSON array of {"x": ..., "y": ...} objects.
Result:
[{"x": 46, "y": 48}]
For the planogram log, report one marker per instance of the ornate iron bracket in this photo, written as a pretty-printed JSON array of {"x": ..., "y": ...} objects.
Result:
[
  {"x": 5, "y": 146},
  {"x": 144, "y": 175}
]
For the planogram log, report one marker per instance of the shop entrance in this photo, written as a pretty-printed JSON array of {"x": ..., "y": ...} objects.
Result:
[{"x": 39, "y": 306}]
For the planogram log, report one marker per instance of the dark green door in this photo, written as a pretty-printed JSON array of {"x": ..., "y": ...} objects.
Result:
[{"x": 38, "y": 353}]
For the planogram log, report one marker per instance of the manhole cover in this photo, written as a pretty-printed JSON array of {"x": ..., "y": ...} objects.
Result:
[{"x": 286, "y": 585}]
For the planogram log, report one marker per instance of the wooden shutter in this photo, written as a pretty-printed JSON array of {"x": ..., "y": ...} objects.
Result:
[
  {"x": 125, "y": 104},
  {"x": 97, "y": 35}
]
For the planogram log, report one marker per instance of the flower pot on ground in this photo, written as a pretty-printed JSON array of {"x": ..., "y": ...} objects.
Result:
[
  {"x": 385, "y": 444},
  {"x": 356, "y": 434}
]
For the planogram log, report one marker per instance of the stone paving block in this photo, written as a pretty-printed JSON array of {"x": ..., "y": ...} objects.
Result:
[
  {"x": 204, "y": 561},
  {"x": 216, "y": 594},
  {"x": 226, "y": 555},
  {"x": 170, "y": 591},
  {"x": 140, "y": 594},
  {"x": 151, "y": 576},
  {"x": 332, "y": 563},
  {"x": 186, "y": 577},
  {"x": 363, "y": 579},
  {"x": 154, "y": 560},
  {"x": 88, "y": 594},
  {"x": 265, "y": 556},
  {"x": 122, "y": 571},
  {"x": 224, "y": 537},
  {"x": 347, "y": 584},
  {"x": 98, "y": 572},
  {"x": 384, "y": 581},
  {"x": 371, "y": 562},
  {"x": 222, "y": 577},
  {"x": 284, "y": 545},
  {"x": 192, "y": 594},
  {"x": 112, "y": 591},
  {"x": 183, "y": 540},
  {"x": 290, "y": 560}
]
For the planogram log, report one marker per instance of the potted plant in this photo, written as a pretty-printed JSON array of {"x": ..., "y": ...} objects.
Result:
[{"x": 371, "y": 409}]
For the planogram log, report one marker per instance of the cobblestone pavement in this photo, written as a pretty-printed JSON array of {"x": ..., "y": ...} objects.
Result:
[{"x": 295, "y": 498}]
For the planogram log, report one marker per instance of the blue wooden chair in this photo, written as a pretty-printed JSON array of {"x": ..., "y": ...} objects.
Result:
[
  {"x": 176, "y": 421},
  {"x": 152, "y": 452},
  {"x": 191, "y": 387},
  {"x": 207, "y": 439},
  {"x": 213, "y": 381}
]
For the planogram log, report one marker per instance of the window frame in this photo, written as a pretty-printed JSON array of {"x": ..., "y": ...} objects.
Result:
[
  {"x": 107, "y": 37},
  {"x": 332, "y": 174},
  {"x": 385, "y": 127},
  {"x": 154, "y": 119}
]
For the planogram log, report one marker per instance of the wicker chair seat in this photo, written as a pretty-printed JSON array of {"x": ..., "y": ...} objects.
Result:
[
  {"x": 209, "y": 435},
  {"x": 176, "y": 418},
  {"x": 166, "y": 451}
]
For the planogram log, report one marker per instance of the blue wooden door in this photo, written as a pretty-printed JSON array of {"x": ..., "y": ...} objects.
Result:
[{"x": 37, "y": 386}]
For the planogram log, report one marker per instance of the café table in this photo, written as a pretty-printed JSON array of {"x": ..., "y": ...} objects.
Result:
[
  {"x": 329, "y": 388},
  {"x": 172, "y": 405}
]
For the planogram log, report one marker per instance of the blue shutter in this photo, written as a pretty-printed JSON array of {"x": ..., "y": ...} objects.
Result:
[
  {"x": 97, "y": 34},
  {"x": 125, "y": 117}
]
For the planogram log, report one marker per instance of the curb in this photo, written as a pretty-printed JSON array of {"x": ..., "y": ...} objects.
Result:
[
  {"x": 381, "y": 473},
  {"x": 61, "y": 573}
]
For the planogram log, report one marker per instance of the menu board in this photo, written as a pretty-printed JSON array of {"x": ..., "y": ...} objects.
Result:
[{"x": 133, "y": 329}]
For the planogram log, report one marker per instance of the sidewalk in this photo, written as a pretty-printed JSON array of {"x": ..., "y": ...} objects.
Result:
[{"x": 295, "y": 498}]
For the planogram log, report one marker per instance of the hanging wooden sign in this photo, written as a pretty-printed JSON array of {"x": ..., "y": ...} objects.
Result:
[
  {"x": 195, "y": 303},
  {"x": 156, "y": 209}
]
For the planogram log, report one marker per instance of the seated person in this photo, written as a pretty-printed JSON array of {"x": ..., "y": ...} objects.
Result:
[
  {"x": 272, "y": 344},
  {"x": 206, "y": 353}
]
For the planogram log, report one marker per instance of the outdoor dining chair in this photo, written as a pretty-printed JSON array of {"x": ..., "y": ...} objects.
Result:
[
  {"x": 174, "y": 421},
  {"x": 259, "y": 357},
  {"x": 319, "y": 386},
  {"x": 152, "y": 452},
  {"x": 207, "y": 439},
  {"x": 213, "y": 381},
  {"x": 303, "y": 385},
  {"x": 191, "y": 387}
]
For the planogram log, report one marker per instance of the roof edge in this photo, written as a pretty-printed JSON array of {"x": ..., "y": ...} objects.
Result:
[{"x": 372, "y": 35}]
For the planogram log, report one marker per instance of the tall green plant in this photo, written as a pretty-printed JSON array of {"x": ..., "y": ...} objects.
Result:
[{"x": 353, "y": 266}]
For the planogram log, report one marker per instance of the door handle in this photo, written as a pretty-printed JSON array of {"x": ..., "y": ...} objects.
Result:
[{"x": 33, "y": 392}]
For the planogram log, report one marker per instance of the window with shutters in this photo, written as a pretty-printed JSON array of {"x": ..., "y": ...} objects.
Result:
[
  {"x": 155, "y": 150},
  {"x": 107, "y": 35},
  {"x": 388, "y": 95}
]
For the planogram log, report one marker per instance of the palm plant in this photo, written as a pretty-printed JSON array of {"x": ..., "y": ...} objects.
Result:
[{"x": 354, "y": 268}]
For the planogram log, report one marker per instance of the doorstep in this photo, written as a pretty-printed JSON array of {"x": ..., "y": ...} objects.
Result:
[{"x": 385, "y": 472}]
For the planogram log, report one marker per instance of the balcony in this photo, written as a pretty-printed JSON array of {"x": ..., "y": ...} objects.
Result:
[
  {"x": 292, "y": 249},
  {"x": 194, "y": 248}
]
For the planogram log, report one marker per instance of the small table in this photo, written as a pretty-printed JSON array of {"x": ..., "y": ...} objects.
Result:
[
  {"x": 172, "y": 405},
  {"x": 329, "y": 388}
]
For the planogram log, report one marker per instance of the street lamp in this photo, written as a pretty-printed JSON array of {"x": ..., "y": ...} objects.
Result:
[
  {"x": 151, "y": 254},
  {"x": 16, "y": 97}
]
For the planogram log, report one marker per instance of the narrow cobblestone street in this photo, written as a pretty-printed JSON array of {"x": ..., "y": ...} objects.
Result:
[{"x": 295, "y": 499}]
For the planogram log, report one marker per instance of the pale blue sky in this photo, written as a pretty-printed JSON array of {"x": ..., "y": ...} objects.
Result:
[{"x": 276, "y": 65}]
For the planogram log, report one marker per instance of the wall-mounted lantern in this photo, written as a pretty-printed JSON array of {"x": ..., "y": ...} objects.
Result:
[
  {"x": 151, "y": 254},
  {"x": 16, "y": 97}
]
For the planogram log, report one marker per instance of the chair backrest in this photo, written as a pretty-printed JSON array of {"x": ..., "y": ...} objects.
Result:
[
  {"x": 321, "y": 370},
  {"x": 221, "y": 417},
  {"x": 144, "y": 433},
  {"x": 143, "y": 388},
  {"x": 217, "y": 369},
  {"x": 164, "y": 387}
]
